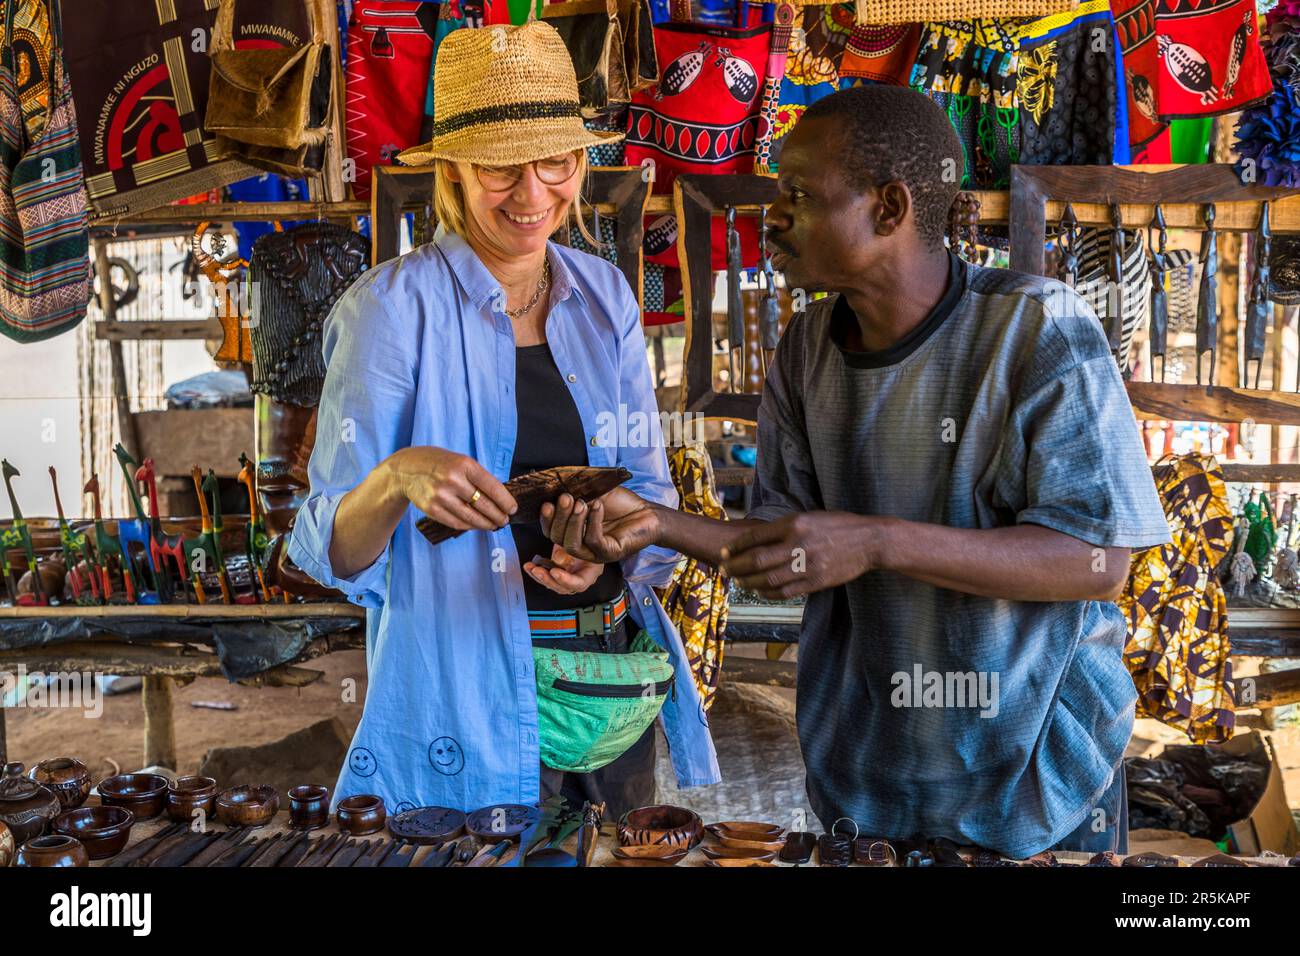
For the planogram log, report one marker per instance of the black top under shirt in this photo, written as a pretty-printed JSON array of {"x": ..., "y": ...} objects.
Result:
[
  {"x": 549, "y": 433},
  {"x": 843, "y": 320}
]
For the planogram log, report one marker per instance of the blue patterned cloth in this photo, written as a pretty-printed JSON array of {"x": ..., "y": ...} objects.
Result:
[{"x": 417, "y": 354}]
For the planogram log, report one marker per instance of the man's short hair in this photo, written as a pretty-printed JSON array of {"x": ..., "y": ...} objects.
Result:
[{"x": 894, "y": 133}]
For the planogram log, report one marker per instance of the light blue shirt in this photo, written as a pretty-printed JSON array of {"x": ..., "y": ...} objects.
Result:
[{"x": 418, "y": 353}]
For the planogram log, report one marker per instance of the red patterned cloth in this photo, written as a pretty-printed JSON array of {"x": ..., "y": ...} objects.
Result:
[
  {"x": 882, "y": 54},
  {"x": 1188, "y": 58},
  {"x": 390, "y": 53},
  {"x": 703, "y": 117}
]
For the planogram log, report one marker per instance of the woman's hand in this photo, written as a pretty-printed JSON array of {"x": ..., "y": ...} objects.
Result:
[
  {"x": 450, "y": 488},
  {"x": 613, "y": 527},
  {"x": 567, "y": 575}
]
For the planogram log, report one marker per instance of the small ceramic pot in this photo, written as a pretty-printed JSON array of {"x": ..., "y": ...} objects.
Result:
[
  {"x": 54, "y": 850},
  {"x": 248, "y": 806},
  {"x": 663, "y": 823},
  {"x": 26, "y": 807},
  {"x": 309, "y": 807},
  {"x": 103, "y": 831},
  {"x": 7, "y": 848},
  {"x": 66, "y": 777},
  {"x": 188, "y": 794},
  {"x": 362, "y": 815},
  {"x": 141, "y": 793}
]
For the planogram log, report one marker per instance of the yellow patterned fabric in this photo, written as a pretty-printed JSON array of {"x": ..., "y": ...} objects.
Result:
[
  {"x": 696, "y": 598},
  {"x": 1177, "y": 647},
  {"x": 33, "y": 44}
]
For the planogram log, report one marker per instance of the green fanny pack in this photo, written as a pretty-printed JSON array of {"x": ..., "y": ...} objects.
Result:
[{"x": 592, "y": 707}]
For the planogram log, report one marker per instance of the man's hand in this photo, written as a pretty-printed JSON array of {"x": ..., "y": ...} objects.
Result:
[
  {"x": 566, "y": 574},
  {"x": 614, "y": 526},
  {"x": 802, "y": 553}
]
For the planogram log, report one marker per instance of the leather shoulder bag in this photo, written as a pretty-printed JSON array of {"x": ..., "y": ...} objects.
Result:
[{"x": 276, "y": 98}]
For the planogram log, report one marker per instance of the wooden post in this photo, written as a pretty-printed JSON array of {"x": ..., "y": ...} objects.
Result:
[{"x": 159, "y": 730}]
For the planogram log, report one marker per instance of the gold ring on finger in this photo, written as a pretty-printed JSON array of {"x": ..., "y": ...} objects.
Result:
[{"x": 475, "y": 496}]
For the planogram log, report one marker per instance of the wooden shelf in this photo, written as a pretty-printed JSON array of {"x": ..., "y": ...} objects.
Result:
[
  {"x": 183, "y": 611},
  {"x": 1200, "y": 403},
  {"x": 239, "y": 212}
]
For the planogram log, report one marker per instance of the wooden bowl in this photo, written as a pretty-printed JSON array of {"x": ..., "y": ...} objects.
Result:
[
  {"x": 55, "y": 849},
  {"x": 103, "y": 831},
  {"x": 651, "y": 851},
  {"x": 142, "y": 793},
  {"x": 192, "y": 793},
  {"x": 737, "y": 843},
  {"x": 248, "y": 806},
  {"x": 66, "y": 777},
  {"x": 738, "y": 827},
  {"x": 309, "y": 807},
  {"x": 754, "y": 832},
  {"x": 651, "y": 862},
  {"x": 362, "y": 815},
  {"x": 662, "y": 823},
  {"x": 725, "y": 862},
  {"x": 737, "y": 853}
]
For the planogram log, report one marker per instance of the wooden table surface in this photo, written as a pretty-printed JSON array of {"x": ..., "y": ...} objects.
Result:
[{"x": 607, "y": 841}]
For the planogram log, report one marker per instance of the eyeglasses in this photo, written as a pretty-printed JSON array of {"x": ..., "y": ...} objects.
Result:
[{"x": 553, "y": 170}]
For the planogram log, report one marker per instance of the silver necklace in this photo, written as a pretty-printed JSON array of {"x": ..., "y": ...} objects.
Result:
[{"x": 542, "y": 284}]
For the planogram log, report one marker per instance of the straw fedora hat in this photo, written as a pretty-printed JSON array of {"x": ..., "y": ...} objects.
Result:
[{"x": 504, "y": 95}]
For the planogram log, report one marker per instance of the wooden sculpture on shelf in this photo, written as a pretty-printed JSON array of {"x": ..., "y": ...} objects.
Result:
[
  {"x": 105, "y": 546},
  {"x": 1207, "y": 303},
  {"x": 256, "y": 542},
  {"x": 206, "y": 549},
  {"x": 163, "y": 546},
  {"x": 1258, "y": 306},
  {"x": 1159, "y": 337},
  {"x": 18, "y": 535},
  {"x": 224, "y": 274},
  {"x": 133, "y": 535},
  {"x": 211, "y": 486},
  {"x": 769, "y": 308},
  {"x": 76, "y": 547}
]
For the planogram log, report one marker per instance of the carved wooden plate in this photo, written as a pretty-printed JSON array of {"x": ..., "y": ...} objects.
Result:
[
  {"x": 505, "y": 821},
  {"x": 425, "y": 826}
]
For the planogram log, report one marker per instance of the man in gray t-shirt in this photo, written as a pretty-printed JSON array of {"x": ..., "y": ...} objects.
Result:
[{"x": 949, "y": 468}]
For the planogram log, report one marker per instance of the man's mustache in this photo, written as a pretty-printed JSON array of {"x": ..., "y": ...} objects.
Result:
[{"x": 774, "y": 243}]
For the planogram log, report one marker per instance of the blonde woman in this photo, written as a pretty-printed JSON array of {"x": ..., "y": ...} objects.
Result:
[{"x": 488, "y": 353}]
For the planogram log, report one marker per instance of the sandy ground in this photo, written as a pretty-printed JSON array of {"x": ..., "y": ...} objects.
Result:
[{"x": 268, "y": 714}]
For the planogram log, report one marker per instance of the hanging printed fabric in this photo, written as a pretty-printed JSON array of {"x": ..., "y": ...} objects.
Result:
[
  {"x": 44, "y": 234},
  {"x": 1189, "y": 58},
  {"x": 969, "y": 68},
  {"x": 141, "y": 82},
  {"x": 32, "y": 42},
  {"x": 812, "y": 66},
  {"x": 390, "y": 58},
  {"x": 1066, "y": 88},
  {"x": 703, "y": 117},
  {"x": 696, "y": 598},
  {"x": 1177, "y": 613},
  {"x": 881, "y": 53},
  {"x": 778, "y": 48}
]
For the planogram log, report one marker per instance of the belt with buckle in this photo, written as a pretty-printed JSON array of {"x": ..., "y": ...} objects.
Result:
[{"x": 595, "y": 620}]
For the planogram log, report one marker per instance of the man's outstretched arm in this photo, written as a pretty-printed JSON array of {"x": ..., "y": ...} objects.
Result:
[{"x": 815, "y": 550}]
